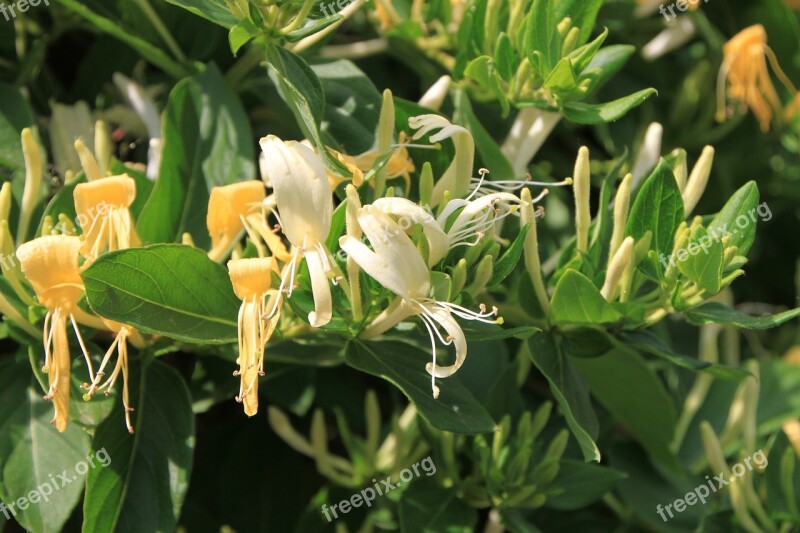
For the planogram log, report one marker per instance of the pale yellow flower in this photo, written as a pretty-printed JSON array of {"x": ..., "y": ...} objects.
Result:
[
  {"x": 103, "y": 209},
  {"x": 239, "y": 207},
  {"x": 252, "y": 283},
  {"x": 51, "y": 266}
]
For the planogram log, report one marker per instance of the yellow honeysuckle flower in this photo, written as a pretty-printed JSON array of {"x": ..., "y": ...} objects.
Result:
[
  {"x": 51, "y": 265},
  {"x": 120, "y": 343},
  {"x": 252, "y": 283},
  {"x": 400, "y": 165},
  {"x": 396, "y": 264},
  {"x": 103, "y": 212},
  {"x": 745, "y": 67},
  {"x": 305, "y": 208},
  {"x": 240, "y": 207}
]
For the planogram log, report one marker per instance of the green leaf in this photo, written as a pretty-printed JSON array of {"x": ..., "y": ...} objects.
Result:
[
  {"x": 580, "y": 484},
  {"x": 403, "y": 365},
  {"x": 352, "y": 105},
  {"x": 703, "y": 265},
  {"x": 583, "y": 56},
  {"x": 717, "y": 313},
  {"x": 743, "y": 203},
  {"x": 479, "y": 331},
  {"x": 144, "y": 486},
  {"x": 647, "y": 341},
  {"x": 428, "y": 508},
  {"x": 541, "y": 33},
  {"x": 505, "y": 57},
  {"x": 607, "y": 62},
  {"x": 302, "y": 91},
  {"x": 582, "y": 12},
  {"x": 241, "y": 34},
  {"x": 207, "y": 142},
  {"x": 482, "y": 70},
  {"x": 634, "y": 394},
  {"x": 214, "y": 10},
  {"x": 658, "y": 208},
  {"x": 312, "y": 27},
  {"x": 171, "y": 290},
  {"x": 508, "y": 261},
  {"x": 14, "y": 116},
  {"x": 32, "y": 450},
  {"x": 583, "y": 113},
  {"x": 562, "y": 79},
  {"x": 569, "y": 389},
  {"x": 577, "y": 301}
]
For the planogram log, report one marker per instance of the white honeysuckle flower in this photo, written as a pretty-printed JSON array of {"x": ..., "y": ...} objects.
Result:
[
  {"x": 531, "y": 128},
  {"x": 435, "y": 95},
  {"x": 302, "y": 196},
  {"x": 408, "y": 215},
  {"x": 145, "y": 107},
  {"x": 396, "y": 264},
  {"x": 649, "y": 153},
  {"x": 679, "y": 32},
  {"x": 456, "y": 178}
]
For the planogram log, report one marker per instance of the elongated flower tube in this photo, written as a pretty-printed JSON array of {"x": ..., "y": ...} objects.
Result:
[
  {"x": 252, "y": 283},
  {"x": 305, "y": 208},
  {"x": 236, "y": 208},
  {"x": 744, "y": 65},
  {"x": 103, "y": 213},
  {"x": 51, "y": 265},
  {"x": 396, "y": 264},
  {"x": 456, "y": 178},
  {"x": 120, "y": 344}
]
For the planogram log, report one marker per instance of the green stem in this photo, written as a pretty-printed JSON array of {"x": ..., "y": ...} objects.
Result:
[
  {"x": 147, "y": 50},
  {"x": 162, "y": 30}
]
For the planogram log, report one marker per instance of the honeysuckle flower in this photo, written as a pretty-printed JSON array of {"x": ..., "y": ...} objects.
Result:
[
  {"x": 33, "y": 181},
  {"x": 120, "y": 344},
  {"x": 396, "y": 264},
  {"x": 252, "y": 283},
  {"x": 531, "y": 128},
  {"x": 236, "y": 208},
  {"x": 436, "y": 93},
  {"x": 456, "y": 178},
  {"x": 145, "y": 107},
  {"x": 697, "y": 181},
  {"x": 745, "y": 67},
  {"x": 679, "y": 32},
  {"x": 68, "y": 123},
  {"x": 649, "y": 153},
  {"x": 305, "y": 209},
  {"x": 51, "y": 266},
  {"x": 103, "y": 209}
]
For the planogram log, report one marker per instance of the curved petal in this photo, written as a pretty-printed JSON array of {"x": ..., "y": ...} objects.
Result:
[
  {"x": 302, "y": 191},
  {"x": 320, "y": 286},
  {"x": 396, "y": 263},
  {"x": 454, "y": 331},
  {"x": 408, "y": 214}
]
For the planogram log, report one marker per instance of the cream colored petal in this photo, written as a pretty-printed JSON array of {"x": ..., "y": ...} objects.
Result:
[
  {"x": 302, "y": 190},
  {"x": 409, "y": 214},
  {"x": 456, "y": 334},
  {"x": 320, "y": 286}
]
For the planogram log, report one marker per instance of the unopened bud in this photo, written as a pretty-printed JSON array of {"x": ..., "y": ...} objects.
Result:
[
  {"x": 622, "y": 205},
  {"x": 482, "y": 276},
  {"x": 33, "y": 182},
  {"x": 426, "y": 184},
  {"x": 681, "y": 168},
  {"x": 88, "y": 162},
  {"x": 582, "y": 189},
  {"x": 697, "y": 181},
  {"x": 616, "y": 267},
  {"x": 459, "y": 276}
]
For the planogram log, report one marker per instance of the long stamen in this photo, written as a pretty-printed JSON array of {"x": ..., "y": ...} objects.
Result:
[
  {"x": 434, "y": 388},
  {"x": 83, "y": 347}
]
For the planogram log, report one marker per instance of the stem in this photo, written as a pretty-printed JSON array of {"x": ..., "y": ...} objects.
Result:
[
  {"x": 311, "y": 40},
  {"x": 162, "y": 30}
]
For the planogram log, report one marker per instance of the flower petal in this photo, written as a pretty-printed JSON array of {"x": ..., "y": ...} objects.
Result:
[
  {"x": 454, "y": 331},
  {"x": 320, "y": 286},
  {"x": 409, "y": 214}
]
